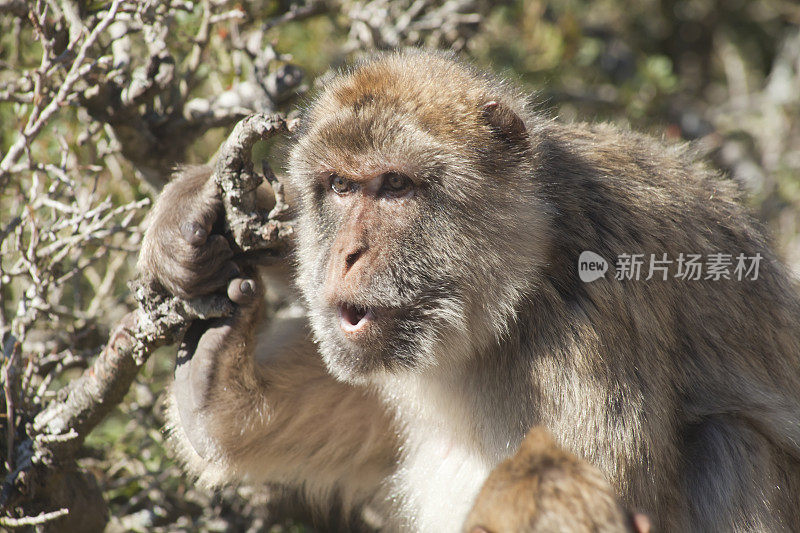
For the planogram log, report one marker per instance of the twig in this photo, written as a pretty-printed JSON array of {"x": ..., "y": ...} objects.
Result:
[
  {"x": 18, "y": 8},
  {"x": 37, "y": 520},
  {"x": 192, "y": 62},
  {"x": 314, "y": 7},
  {"x": 13, "y": 346},
  {"x": 76, "y": 73},
  {"x": 60, "y": 428},
  {"x": 234, "y": 174},
  {"x": 281, "y": 207},
  {"x": 161, "y": 320}
]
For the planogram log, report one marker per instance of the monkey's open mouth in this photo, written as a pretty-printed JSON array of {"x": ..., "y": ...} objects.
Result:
[{"x": 354, "y": 319}]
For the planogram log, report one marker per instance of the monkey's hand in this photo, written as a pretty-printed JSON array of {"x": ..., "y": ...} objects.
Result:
[
  {"x": 182, "y": 253},
  {"x": 204, "y": 358},
  {"x": 181, "y": 250}
]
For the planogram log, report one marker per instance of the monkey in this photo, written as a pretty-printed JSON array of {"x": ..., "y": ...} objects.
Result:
[
  {"x": 543, "y": 488},
  {"x": 440, "y": 222}
]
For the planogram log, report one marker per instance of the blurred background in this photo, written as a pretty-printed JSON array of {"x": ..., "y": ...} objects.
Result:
[{"x": 99, "y": 101}]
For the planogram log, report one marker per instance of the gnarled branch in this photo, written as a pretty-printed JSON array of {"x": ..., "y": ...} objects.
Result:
[{"x": 57, "y": 432}]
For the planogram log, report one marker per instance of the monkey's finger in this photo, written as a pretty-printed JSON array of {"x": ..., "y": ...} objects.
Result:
[
  {"x": 204, "y": 259},
  {"x": 216, "y": 251},
  {"x": 204, "y": 214},
  {"x": 216, "y": 280},
  {"x": 242, "y": 290},
  {"x": 194, "y": 233},
  {"x": 185, "y": 282},
  {"x": 207, "y": 211},
  {"x": 641, "y": 523}
]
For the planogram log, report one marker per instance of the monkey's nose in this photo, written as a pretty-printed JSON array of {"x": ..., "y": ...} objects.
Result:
[{"x": 351, "y": 259}]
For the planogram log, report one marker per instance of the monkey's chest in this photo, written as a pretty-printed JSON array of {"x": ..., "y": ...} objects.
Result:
[{"x": 438, "y": 481}]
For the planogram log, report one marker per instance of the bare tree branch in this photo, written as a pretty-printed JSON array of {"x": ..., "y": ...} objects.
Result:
[
  {"x": 234, "y": 174},
  {"x": 38, "y": 118},
  {"x": 37, "y": 520},
  {"x": 18, "y": 8},
  {"x": 57, "y": 432}
]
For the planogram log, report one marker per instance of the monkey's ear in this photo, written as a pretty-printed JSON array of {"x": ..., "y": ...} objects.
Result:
[
  {"x": 504, "y": 122},
  {"x": 641, "y": 523}
]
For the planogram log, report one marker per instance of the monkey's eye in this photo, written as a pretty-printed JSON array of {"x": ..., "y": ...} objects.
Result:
[
  {"x": 340, "y": 185},
  {"x": 396, "y": 184}
]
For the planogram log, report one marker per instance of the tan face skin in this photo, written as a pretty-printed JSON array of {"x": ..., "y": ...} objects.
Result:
[{"x": 371, "y": 210}]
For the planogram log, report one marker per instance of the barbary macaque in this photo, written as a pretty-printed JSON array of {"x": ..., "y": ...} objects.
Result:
[
  {"x": 440, "y": 224},
  {"x": 544, "y": 489}
]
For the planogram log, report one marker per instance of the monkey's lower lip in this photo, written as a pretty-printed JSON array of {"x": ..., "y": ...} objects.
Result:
[{"x": 354, "y": 319}]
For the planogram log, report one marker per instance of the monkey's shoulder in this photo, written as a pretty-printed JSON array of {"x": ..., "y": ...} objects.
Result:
[{"x": 609, "y": 166}]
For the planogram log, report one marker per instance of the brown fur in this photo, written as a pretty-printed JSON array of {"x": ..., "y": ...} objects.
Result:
[
  {"x": 541, "y": 489},
  {"x": 684, "y": 394}
]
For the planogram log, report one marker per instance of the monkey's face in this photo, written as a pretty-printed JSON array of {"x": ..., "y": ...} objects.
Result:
[{"x": 411, "y": 253}]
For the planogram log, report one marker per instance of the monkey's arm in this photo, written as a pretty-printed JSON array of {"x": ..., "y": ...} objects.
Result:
[{"x": 281, "y": 419}]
